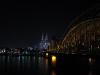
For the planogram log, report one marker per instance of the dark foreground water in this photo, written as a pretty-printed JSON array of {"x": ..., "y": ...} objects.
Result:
[{"x": 26, "y": 65}]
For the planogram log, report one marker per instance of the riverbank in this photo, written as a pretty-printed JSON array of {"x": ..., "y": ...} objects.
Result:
[{"x": 49, "y": 54}]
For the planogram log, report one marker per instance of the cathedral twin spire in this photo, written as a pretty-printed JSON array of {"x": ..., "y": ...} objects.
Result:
[
  {"x": 46, "y": 37},
  {"x": 44, "y": 42}
]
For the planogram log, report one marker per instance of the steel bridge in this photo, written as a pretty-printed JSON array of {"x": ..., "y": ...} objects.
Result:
[{"x": 83, "y": 34}]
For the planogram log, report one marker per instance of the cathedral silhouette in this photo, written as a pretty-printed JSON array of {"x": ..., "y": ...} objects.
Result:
[{"x": 44, "y": 42}]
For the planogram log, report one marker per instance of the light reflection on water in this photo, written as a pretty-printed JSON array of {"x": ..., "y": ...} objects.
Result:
[
  {"x": 53, "y": 60},
  {"x": 40, "y": 66},
  {"x": 91, "y": 61},
  {"x": 53, "y": 73},
  {"x": 46, "y": 63},
  {"x": 91, "y": 65},
  {"x": 94, "y": 66},
  {"x": 90, "y": 73}
]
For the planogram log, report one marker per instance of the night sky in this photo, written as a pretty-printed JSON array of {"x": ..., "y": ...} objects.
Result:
[{"x": 23, "y": 22}]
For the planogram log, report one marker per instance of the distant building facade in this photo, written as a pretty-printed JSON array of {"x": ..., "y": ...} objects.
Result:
[{"x": 43, "y": 45}]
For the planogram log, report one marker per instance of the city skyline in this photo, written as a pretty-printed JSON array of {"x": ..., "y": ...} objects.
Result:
[{"x": 22, "y": 23}]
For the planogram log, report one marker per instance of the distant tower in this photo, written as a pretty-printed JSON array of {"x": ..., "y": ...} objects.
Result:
[
  {"x": 44, "y": 42},
  {"x": 42, "y": 37},
  {"x": 46, "y": 38}
]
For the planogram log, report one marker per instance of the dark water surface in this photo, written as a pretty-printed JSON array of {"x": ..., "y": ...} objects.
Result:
[{"x": 31, "y": 65}]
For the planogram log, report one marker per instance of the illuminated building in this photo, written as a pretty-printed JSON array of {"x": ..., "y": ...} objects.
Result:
[{"x": 44, "y": 43}]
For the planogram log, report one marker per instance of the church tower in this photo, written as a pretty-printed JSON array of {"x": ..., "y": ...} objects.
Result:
[
  {"x": 44, "y": 42},
  {"x": 42, "y": 37},
  {"x": 46, "y": 38}
]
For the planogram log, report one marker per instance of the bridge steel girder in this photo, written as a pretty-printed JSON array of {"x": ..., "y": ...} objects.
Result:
[{"x": 83, "y": 34}]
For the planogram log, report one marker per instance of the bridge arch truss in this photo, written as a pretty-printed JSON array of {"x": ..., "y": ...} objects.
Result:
[{"x": 83, "y": 34}]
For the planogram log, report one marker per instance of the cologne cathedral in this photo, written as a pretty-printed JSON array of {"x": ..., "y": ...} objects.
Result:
[{"x": 44, "y": 42}]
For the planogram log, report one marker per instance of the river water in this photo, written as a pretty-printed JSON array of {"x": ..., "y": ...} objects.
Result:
[{"x": 32, "y": 65}]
